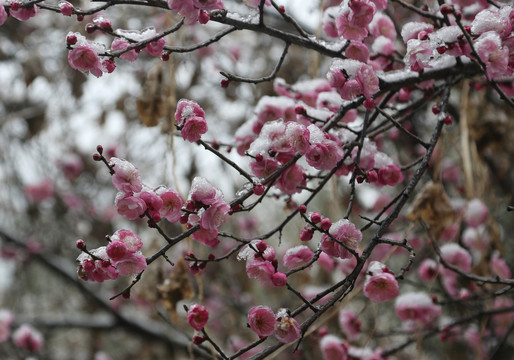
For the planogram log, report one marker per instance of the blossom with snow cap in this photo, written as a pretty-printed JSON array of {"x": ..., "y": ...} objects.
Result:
[
  {"x": 380, "y": 285},
  {"x": 416, "y": 310},
  {"x": 28, "y": 338},
  {"x": 287, "y": 328},
  {"x": 190, "y": 118},
  {"x": 352, "y": 78},
  {"x": 126, "y": 176},
  {"x": 197, "y": 316},
  {"x": 333, "y": 348},
  {"x": 345, "y": 232}
]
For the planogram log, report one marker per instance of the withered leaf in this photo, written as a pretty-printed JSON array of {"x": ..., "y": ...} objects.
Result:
[
  {"x": 175, "y": 288},
  {"x": 150, "y": 105},
  {"x": 432, "y": 206}
]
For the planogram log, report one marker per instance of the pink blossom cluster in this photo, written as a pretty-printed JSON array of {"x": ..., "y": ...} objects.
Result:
[
  {"x": 264, "y": 322},
  {"x": 352, "y": 78},
  {"x": 133, "y": 199},
  {"x": 207, "y": 208},
  {"x": 18, "y": 12},
  {"x": 84, "y": 57},
  {"x": 121, "y": 257},
  {"x": 154, "y": 43},
  {"x": 190, "y": 119},
  {"x": 195, "y": 10},
  {"x": 351, "y": 19},
  {"x": 381, "y": 284},
  {"x": 491, "y": 33},
  {"x": 261, "y": 262}
]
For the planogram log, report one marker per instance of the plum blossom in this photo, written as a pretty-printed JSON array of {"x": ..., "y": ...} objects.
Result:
[
  {"x": 416, "y": 310},
  {"x": 333, "y": 348},
  {"x": 494, "y": 56},
  {"x": 85, "y": 58},
  {"x": 345, "y": 232},
  {"x": 119, "y": 44},
  {"x": 126, "y": 176},
  {"x": 428, "y": 270},
  {"x": 153, "y": 203},
  {"x": 23, "y": 13},
  {"x": 287, "y": 328},
  {"x": 190, "y": 118},
  {"x": 499, "y": 266},
  {"x": 132, "y": 207},
  {"x": 28, "y": 338},
  {"x": 98, "y": 268},
  {"x": 352, "y": 78},
  {"x": 380, "y": 285},
  {"x": 193, "y": 10},
  {"x": 297, "y": 256},
  {"x": 457, "y": 256},
  {"x": 172, "y": 204},
  {"x": 476, "y": 213},
  {"x": 262, "y": 320},
  {"x": 491, "y": 20},
  {"x": 197, "y": 316},
  {"x": 411, "y": 30}
]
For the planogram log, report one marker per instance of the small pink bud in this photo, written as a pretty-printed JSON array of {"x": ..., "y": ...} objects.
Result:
[
  {"x": 441, "y": 49},
  {"x": 315, "y": 218},
  {"x": 300, "y": 110},
  {"x": 198, "y": 339},
  {"x": 126, "y": 294},
  {"x": 80, "y": 17},
  {"x": 97, "y": 157},
  {"x": 261, "y": 246},
  {"x": 306, "y": 234},
  {"x": 71, "y": 40},
  {"x": 369, "y": 104},
  {"x": 90, "y": 28},
  {"x": 109, "y": 65},
  {"x": 446, "y": 9},
  {"x": 435, "y": 110},
  {"x": 258, "y": 189},
  {"x": 81, "y": 245},
  {"x": 66, "y": 9},
  {"x": 372, "y": 176},
  {"x": 165, "y": 56},
  {"x": 225, "y": 83},
  {"x": 302, "y": 209},
  {"x": 448, "y": 120},
  {"x": 281, "y": 9},
  {"x": 279, "y": 279},
  {"x": 325, "y": 224},
  {"x": 259, "y": 158},
  {"x": 15, "y": 5},
  {"x": 100, "y": 149}
]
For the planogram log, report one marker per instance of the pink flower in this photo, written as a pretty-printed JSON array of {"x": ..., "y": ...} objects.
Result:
[
  {"x": 28, "y": 338},
  {"x": 187, "y": 109},
  {"x": 381, "y": 287},
  {"x": 297, "y": 256},
  {"x": 324, "y": 155},
  {"x": 193, "y": 129},
  {"x": 476, "y": 213},
  {"x": 491, "y": 20},
  {"x": 264, "y": 168},
  {"x": 357, "y": 51},
  {"x": 428, "y": 270},
  {"x": 40, "y": 191},
  {"x": 411, "y": 30},
  {"x": 290, "y": 180},
  {"x": 390, "y": 175},
  {"x": 345, "y": 232},
  {"x": 262, "y": 320},
  {"x": 155, "y": 47},
  {"x": 263, "y": 270},
  {"x": 119, "y": 44},
  {"x": 6, "y": 319},
  {"x": 126, "y": 177},
  {"x": 172, "y": 204},
  {"x": 279, "y": 279},
  {"x": 333, "y": 348},
  {"x": 352, "y": 78},
  {"x": 131, "y": 240},
  {"x": 349, "y": 324},
  {"x": 457, "y": 256},
  {"x": 3, "y": 15},
  {"x": 116, "y": 250},
  {"x": 348, "y": 30},
  {"x": 25, "y": 13},
  {"x": 287, "y": 328},
  {"x": 84, "y": 58},
  {"x": 329, "y": 24},
  {"x": 132, "y": 207},
  {"x": 499, "y": 266},
  {"x": 71, "y": 165},
  {"x": 207, "y": 237},
  {"x": 66, "y": 8},
  {"x": 215, "y": 215},
  {"x": 416, "y": 310},
  {"x": 255, "y": 3},
  {"x": 362, "y": 12},
  {"x": 419, "y": 54},
  {"x": 190, "y": 9},
  {"x": 153, "y": 203},
  {"x": 202, "y": 191},
  {"x": 131, "y": 264},
  {"x": 494, "y": 56},
  {"x": 197, "y": 317}
]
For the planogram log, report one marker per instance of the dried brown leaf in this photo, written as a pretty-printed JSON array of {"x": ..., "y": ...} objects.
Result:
[
  {"x": 432, "y": 206},
  {"x": 175, "y": 288},
  {"x": 150, "y": 105}
]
